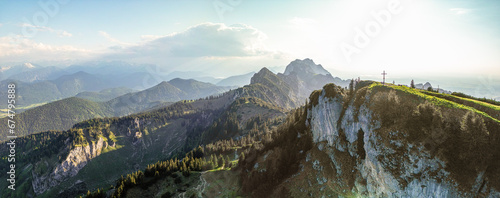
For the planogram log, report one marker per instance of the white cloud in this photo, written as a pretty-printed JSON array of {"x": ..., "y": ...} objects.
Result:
[
  {"x": 203, "y": 40},
  {"x": 150, "y": 37},
  {"x": 213, "y": 48},
  {"x": 17, "y": 48},
  {"x": 60, "y": 33},
  {"x": 112, "y": 39},
  {"x": 66, "y": 34},
  {"x": 460, "y": 11}
]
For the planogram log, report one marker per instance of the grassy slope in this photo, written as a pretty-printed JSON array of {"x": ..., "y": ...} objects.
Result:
[
  {"x": 462, "y": 132},
  {"x": 447, "y": 100},
  {"x": 490, "y": 109},
  {"x": 59, "y": 115},
  {"x": 20, "y": 109}
]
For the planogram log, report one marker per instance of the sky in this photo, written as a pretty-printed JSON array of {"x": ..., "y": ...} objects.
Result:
[{"x": 438, "y": 39}]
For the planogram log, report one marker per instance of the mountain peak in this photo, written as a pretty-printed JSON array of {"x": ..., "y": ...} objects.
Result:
[
  {"x": 239, "y": 80},
  {"x": 79, "y": 73},
  {"x": 188, "y": 83},
  {"x": 163, "y": 83},
  {"x": 263, "y": 76},
  {"x": 181, "y": 80},
  {"x": 306, "y": 66},
  {"x": 264, "y": 70}
]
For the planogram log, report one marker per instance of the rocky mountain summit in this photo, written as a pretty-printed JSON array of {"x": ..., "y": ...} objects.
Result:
[
  {"x": 382, "y": 141},
  {"x": 305, "y": 67},
  {"x": 300, "y": 78}
]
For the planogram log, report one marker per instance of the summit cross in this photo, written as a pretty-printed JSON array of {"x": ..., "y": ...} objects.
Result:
[{"x": 383, "y": 74}]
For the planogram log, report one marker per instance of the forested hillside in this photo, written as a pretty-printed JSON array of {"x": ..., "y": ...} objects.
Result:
[
  {"x": 62, "y": 114},
  {"x": 105, "y": 94},
  {"x": 59, "y": 115},
  {"x": 135, "y": 141}
]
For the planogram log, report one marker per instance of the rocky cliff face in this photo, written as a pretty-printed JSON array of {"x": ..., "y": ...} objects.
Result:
[
  {"x": 381, "y": 166},
  {"x": 74, "y": 162}
]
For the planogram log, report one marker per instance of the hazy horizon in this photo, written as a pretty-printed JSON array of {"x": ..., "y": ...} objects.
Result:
[{"x": 454, "y": 44}]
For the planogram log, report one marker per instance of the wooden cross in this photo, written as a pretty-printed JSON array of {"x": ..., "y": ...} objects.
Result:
[{"x": 383, "y": 82}]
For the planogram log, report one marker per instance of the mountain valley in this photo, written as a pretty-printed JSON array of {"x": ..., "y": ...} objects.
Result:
[{"x": 301, "y": 133}]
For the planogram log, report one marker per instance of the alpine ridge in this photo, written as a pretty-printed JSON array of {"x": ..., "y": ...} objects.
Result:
[{"x": 381, "y": 141}]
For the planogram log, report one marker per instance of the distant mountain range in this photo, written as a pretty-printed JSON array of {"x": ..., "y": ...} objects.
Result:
[
  {"x": 37, "y": 84},
  {"x": 72, "y": 110},
  {"x": 115, "y": 70},
  {"x": 39, "y": 74},
  {"x": 283, "y": 90},
  {"x": 238, "y": 80},
  {"x": 50, "y": 90},
  {"x": 7, "y": 71},
  {"x": 171, "y": 91}
]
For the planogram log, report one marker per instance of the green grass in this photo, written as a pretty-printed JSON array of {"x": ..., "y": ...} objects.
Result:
[
  {"x": 4, "y": 112},
  {"x": 495, "y": 107},
  {"x": 216, "y": 169},
  {"x": 28, "y": 107},
  {"x": 109, "y": 149},
  {"x": 233, "y": 164},
  {"x": 439, "y": 101},
  {"x": 33, "y": 105},
  {"x": 484, "y": 104}
]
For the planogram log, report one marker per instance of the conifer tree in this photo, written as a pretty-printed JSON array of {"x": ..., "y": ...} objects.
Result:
[{"x": 351, "y": 86}]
